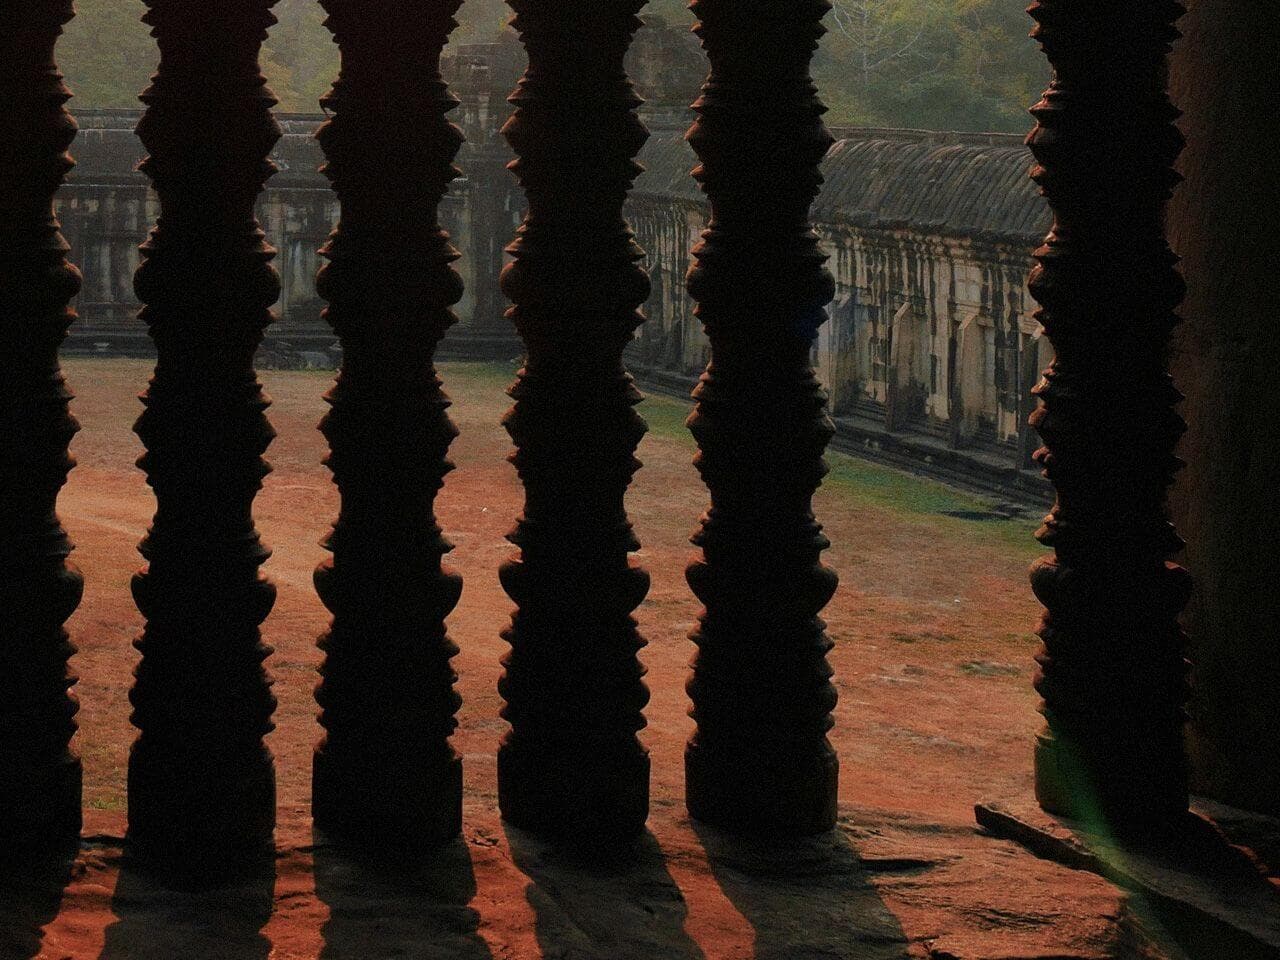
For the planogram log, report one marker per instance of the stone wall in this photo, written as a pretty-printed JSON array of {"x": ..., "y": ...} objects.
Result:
[
  {"x": 931, "y": 350},
  {"x": 1224, "y": 360},
  {"x": 107, "y": 208}
]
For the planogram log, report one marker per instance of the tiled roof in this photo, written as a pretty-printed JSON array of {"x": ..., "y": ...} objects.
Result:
[{"x": 966, "y": 185}]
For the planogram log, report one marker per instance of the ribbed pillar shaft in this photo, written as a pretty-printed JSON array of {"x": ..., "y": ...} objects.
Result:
[
  {"x": 573, "y": 685},
  {"x": 1112, "y": 673},
  {"x": 385, "y": 773},
  {"x": 39, "y": 589},
  {"x": 760, "y": 762},
  {"x": 201, "y": 784}
]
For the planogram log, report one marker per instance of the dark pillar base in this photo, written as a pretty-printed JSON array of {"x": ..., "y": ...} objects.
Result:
[
  {"x": 556, "y": 790},
  {"x": 745, "y": 793},
  {"x": 1130, "y": 789},
  {"x": 406, "y": 804},
  {"x": 213, "y": 828},
  {"x": 41, "y": 804}
]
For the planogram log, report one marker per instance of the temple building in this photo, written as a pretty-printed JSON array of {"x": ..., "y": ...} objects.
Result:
[{"x": 1100, "y": 330}]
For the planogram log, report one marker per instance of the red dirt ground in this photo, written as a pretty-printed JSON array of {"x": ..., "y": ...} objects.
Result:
[{"x": 932, "y": 625}]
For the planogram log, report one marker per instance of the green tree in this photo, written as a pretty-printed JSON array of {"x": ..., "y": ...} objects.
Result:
[
  {"x": 673, "y": 11},
  {"x": 106, "y": 53},
  {"x": 882, "y": 38},
  {"x": 299, "y": 58},
  {"x": 480, "y": 21},
  {"x": 940, "y": 64}
]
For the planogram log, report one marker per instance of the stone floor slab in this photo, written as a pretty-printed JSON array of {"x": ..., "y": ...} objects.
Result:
[{"x": 1198, "y": 891}]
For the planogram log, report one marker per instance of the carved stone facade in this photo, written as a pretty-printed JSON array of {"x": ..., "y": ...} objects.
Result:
[
  {"x": 107, "y": 207},
  {"x": 931, "y": 352}
]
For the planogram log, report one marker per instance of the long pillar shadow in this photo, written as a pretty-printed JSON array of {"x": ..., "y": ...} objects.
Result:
[
  {"x": 381, "y": 909},
  {"x": 807, "y": 898},
  {"x": 155, "y": 921},
  {"x": 605, "y": 904},
  {"x": 31, "y": 890}
]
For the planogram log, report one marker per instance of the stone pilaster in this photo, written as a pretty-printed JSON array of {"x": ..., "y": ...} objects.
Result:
[
  {"x": 385, "y": 773},
  {"x": 1112, "y": 672},
  {"x": 572, "y": 762},
  {"x": 489, "y": 335},
  {"x": 201, "y": 783},
  {"x": 39, "y": 775},
  {"x": 760, "y": 761}
]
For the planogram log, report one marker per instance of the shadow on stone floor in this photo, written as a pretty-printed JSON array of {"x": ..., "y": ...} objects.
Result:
[
  {"x": 31, "y": 892},
  {"x": 612, "y": 904},
  {"x": 381, "y": 910},
  {"x": 156, "y": 922},
  {"x": 808, "y": 898}
]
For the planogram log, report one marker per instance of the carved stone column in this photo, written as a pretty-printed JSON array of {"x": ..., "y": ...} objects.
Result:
[
  {"x": 39, "y": 589},
  {"x": 573, "y": 687},
  {"x": 385, "y": 774},
  {"x": 201, "y": 784},
  {"x": 1112, "y": 673},
  {"x": 760, "y": 761}
]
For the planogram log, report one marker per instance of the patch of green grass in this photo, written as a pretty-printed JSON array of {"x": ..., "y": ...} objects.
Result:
[
  {"x": 666, "y": 417},
  {"x": 495, "y": 373},
  {"x": 928, "y": 501}
]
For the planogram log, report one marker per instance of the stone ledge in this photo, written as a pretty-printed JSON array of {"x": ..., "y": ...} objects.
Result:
[{"x": 1200, "y": 894}]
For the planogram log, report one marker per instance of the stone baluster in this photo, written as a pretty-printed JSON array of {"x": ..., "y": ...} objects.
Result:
[
  {"x": 573, "y": 685},
  {"x": 385, "y": 773},
  {"x": 760, "y": 761},
  {"x": 201, "y": 783},
  {"x": 39, "y": 775},
  {"x": 1112, "y": 673}
]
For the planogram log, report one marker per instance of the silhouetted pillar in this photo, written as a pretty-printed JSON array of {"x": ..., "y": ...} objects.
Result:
[
  {"x": 385, "y": 772},
  {"x": 39, "y": 776},
  {"x": 572, "y": 762},
  {"x": 760, "y": 761},
  {"x": 201, "y": 785},
  {"x": 1112, "y": 673}
]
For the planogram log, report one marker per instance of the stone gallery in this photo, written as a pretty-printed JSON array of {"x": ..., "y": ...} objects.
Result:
[{"x": 932, "y": 348}]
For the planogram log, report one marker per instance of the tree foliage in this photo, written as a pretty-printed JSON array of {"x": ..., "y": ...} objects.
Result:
[
  {"x": 932, "y": 64},
  {"x": 935, "y": 64},
  {"x": 940, "y": 64},
  {"x": 107, "y": 53}
]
